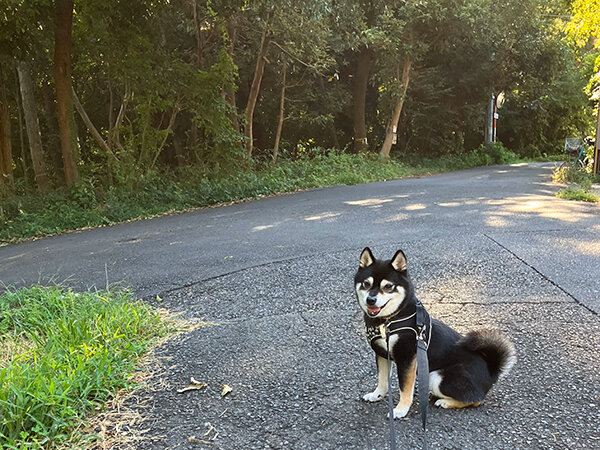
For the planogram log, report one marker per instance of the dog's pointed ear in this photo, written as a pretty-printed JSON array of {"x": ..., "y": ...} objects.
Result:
[
  {"x": 399, "y": 261},
  {"x": 366, "y": 257}
]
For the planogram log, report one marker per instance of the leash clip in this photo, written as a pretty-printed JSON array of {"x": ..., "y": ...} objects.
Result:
[{"x": 421, "y": 333}]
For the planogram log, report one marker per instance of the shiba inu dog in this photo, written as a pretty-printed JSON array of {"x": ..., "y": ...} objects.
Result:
[{"x": 462, "y": 369}]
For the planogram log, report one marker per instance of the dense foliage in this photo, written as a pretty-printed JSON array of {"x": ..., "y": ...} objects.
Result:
[{"x": 113, "y": 92}]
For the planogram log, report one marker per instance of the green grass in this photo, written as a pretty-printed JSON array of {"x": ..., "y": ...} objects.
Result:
[
  {"x": 577, "y": 193},
  {"x": 88, "y": 204},
  {"x": 62, "y": 354},
  {"x": 579, "y": 184}
]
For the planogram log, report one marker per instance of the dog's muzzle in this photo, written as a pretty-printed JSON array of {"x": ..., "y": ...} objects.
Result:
[{"x": 372, "y": 310}]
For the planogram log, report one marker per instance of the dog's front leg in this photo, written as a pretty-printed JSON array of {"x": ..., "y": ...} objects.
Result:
[
  {"x": 383, "y": 367},
  {"x": 407, "y": 373}
]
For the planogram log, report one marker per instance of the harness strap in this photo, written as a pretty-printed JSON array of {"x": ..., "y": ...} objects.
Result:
[{"x": 390, "y": 400}]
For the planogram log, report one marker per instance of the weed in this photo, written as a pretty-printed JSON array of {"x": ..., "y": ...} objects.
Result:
[
  {"x": 65, "y": 353},
  {"x": 579, "y": 194}
]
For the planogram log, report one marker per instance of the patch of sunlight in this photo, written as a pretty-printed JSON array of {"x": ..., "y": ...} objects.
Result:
[
  {"x": 585, "y": 247},
  {"x": 10, "y": 347},
  {"x": 449, "y": 204},
  {"x": 549, "y": 209},
  {"x": 262, "y": 227},
  {"x": 496, "y": 221},
  {"x": 415, "y": 207},
  {"x": 395, "y": 218},
  {"x": 322, "y": 216},
  {"x": 369, "y": 202}
]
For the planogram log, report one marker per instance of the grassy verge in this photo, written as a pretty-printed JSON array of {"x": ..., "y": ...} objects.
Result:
[
  {"x": 579, "y": 184},
  {"x": 62, "y": 354},
  {"x": 89, "y": 205}
]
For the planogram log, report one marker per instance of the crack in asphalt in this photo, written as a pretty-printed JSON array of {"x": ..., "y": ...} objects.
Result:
[{"x": 552, "y": 282}]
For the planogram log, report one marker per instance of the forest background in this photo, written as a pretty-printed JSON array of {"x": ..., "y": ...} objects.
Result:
[{"x": 116, "y": 109}]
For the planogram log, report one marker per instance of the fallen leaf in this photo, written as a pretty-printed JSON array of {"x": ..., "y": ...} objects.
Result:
[
  {"x": 202, "y": 441},
  {"x": 193, "y": 386},
  {"x": 226, "y": 390}
]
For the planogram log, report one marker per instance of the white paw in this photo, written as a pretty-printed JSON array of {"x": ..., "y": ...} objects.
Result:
[
  {"x": 374, "y": 396},
  {"x": 443, "y": 403},
  {"x": 399, "y": 413}
]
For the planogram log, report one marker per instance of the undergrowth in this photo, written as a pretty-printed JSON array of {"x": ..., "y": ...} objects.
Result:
[
  {"x": 62, "y": 354},
  {"x": 579, "y": 184},
  {"x": 90, "y": 204}
]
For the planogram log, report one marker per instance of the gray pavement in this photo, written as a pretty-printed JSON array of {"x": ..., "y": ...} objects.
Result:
[{"x": 488, "y": 247}]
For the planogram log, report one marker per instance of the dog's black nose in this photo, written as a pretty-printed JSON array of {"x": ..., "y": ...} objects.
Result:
[{"x": 371, "y": 300}]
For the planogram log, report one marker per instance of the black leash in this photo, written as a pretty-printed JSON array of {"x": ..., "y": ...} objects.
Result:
[
  {"x": 423, "y": 331},
  {"x": 423, "y": 327},
  {"x": 390, "y": 400}
]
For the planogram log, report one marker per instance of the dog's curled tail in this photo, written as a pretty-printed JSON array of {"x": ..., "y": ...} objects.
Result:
[{"x": 496, "y": 349}]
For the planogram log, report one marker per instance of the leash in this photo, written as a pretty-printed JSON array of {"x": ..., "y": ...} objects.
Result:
[
  {"x": 390, "y": 400},
  {"x": 423, "y": 332},
  {"x": 423, "y": 365}
]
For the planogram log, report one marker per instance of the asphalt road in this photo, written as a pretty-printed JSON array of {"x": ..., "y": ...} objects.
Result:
[{"x": 486, "y": 247}]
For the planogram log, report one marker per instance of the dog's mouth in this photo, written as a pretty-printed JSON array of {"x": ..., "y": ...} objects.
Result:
[{"x": 373, "y": 310}]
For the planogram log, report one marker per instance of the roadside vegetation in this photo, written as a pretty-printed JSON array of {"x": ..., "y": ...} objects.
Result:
[
  {"x": 90, "y": 204},
  {"x": 62, "y": 354},
  {"x": 578, "y": 183}
]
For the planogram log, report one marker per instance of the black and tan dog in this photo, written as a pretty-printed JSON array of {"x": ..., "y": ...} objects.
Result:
[{"x": 462, "y": 368}]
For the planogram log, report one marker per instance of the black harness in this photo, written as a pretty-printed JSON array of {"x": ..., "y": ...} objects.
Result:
[{"x": 420, "y": 323}]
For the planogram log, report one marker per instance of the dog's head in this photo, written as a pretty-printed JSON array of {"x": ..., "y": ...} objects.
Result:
[{"x": 381, "y": 285}]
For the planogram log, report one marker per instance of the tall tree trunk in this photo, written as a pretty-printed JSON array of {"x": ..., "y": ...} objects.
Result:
[
  {"x": 281, "y": 108},
  {"x": 255, "y": 88},
  {"x": 62, "y": 82},
  {"x": 33, "y": 128},
  {"x": 51, "y": 138},
  {"x": 229, "y": 90},
  {"x": 393, "y": 123},
  {"x": 6, "y": 171},
  {"x": 359, "y": 95},
  {"x": 24, "y": 165},
  {"x": 114, "y": 138}
]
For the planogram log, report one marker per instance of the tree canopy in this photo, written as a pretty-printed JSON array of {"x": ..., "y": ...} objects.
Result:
[{"x": 112, "y": 90}]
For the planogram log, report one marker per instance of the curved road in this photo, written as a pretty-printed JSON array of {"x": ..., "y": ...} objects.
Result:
[{"x": 489, "y": 247}]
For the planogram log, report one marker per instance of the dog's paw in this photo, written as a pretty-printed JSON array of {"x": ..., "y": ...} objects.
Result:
[
  {"x": 444, "y": 403},
  {"x": 374, "y": 396},
  {"x": 400, "y": 413}
]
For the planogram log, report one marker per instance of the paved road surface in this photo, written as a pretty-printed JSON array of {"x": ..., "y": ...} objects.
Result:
[{"x": 486, "y": 247}]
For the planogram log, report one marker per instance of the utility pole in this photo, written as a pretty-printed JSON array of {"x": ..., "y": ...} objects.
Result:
[
  {"x": 596, "y": 151},
  {"x": 490, "y": 134},
  {"x": 596, "y": 96}
]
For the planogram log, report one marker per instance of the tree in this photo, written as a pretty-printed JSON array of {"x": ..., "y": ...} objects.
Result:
[
  {"x": 6, "y": 170},
  {"x": 62, "y": 82},
  {"x": 256, "y": 80},
  {"x": 33, "y": 128}
]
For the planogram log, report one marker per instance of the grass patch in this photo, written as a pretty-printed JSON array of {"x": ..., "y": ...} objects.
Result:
[
  {"x": 62, "y": 354},
  {"x": 89, "y": 204},
  {"x": 577, "y": 193},
  {"x": 579, "y": 184}
]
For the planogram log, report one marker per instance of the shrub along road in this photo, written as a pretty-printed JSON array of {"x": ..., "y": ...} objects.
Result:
[{"x": 486, "y": 247}]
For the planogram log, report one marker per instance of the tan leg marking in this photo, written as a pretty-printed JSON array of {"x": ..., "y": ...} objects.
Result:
[{"x": 406, "y": 391}]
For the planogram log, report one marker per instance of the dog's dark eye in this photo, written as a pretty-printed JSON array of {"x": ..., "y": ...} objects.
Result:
[
  {"x": 389, "y": 288},
  {"x": 366, "y": 285}
]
